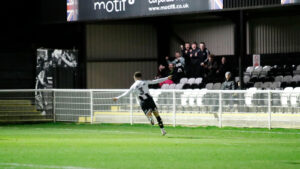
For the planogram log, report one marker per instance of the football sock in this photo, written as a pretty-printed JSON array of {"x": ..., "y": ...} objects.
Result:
[{"x": 160, "y": 123}]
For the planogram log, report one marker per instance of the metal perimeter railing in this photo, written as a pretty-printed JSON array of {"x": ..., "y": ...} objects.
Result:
[{"x": 236, "y": 108}]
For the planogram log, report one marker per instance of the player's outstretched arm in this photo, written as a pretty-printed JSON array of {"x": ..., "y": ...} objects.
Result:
[
  {"x": 123, "y": 95},
  {"x": 159, "y": 80}
]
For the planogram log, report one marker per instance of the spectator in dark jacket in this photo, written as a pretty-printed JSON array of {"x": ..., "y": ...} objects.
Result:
[
  {"x": 223, "y": 68},
  {"x": 228, "y": 84},
  {"x": 211, "y": 68},
  {"x": 195, "y": 61},
  {"x": 161, "y": 72},
  {"x": 185, "y": 52},
  {"x": 203, "y": 57}
]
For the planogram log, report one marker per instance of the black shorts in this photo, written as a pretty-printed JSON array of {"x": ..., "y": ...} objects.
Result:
[{"x": 148, "y": 105}]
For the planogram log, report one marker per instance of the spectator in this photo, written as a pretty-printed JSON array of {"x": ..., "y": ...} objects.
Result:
[
  {"x": 162, "y": 72},
  {"x": 229, "y": 83},
  {"x": 168, "y": 73},
  {"x": 185, "y": 51},
  {"x": 179, "y": 64},
  {"x": 211, "y": 68},
  {"x": 203, "y": 54},
  {"x": 178, "y": 59},
  {"x": 195, "y": 61},
  {"x": 223, "y": 68}
]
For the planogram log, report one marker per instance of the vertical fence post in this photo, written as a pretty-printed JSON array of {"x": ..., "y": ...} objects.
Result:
[
  {"x": 131, "y": 109},
  {"x": 269, "y": 110},
  {"x": 54, "y": 106},
  {"x": 220, "y": 109},
  {"x": 174, "y": 109},
  {"x": 91, "y": 106}
]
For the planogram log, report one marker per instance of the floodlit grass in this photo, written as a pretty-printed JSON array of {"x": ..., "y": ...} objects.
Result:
[{"x": 108, "y": 146}]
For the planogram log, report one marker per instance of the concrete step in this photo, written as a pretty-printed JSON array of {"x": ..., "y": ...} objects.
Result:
[
  {"x": 25, "y": 121},
  {"x": 18, "y": 113},
  {"x": 23, "y": 117},
  {"x": 22, "y": 102},
  {"x": 17, "y": 107}
]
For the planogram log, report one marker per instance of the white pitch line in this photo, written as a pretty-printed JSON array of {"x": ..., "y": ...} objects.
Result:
[
  {"x": 41, "y": 166},
  {"x": 132, "y": 132},
  {"x": 262, "y": 132}
]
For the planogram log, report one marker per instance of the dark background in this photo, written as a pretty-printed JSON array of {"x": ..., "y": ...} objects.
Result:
[{"x": 28, "y": 25}]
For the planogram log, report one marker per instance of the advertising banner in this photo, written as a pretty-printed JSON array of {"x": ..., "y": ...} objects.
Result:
[{"x": 84, "y": 10}]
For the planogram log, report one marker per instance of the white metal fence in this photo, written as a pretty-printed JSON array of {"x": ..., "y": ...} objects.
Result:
[{"x": 238, "y": 108}]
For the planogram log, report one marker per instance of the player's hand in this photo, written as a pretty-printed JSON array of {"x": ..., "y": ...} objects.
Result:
[
  {"x": 115, "y": 99},
  {"x": 170, "y": 77},
  {"x": 181, "y": 46}
]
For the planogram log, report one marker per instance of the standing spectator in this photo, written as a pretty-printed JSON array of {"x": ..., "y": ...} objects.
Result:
[
  {"x": 203, "y": 54},
  {"x": 161, "y": 72},
  {"x": 185, "y": 51},
  {"x": 195, "y": 62},
  {"x": 178, "y": 59},
  {"x": 179, "y": 64},
  {"x": 223, "y": 68},
  {"x": 211, "y": 68}
]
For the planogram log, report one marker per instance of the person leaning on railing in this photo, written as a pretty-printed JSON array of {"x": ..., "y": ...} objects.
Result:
[{"x": 228, "y": 85}]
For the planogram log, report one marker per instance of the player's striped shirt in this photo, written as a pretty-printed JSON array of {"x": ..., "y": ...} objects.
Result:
[{"x": 141, "y": 89}]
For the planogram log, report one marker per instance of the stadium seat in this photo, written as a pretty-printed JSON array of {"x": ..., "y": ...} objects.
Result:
[
  {"x": 172, "y": 86},
  {"x": 294, "y": 98},
  {"x": 196, "y": 83},
  {"x": 285, "y": 96},
  {"x": 257, "y": 70},
  {"x": 179, "y": 86},
  {"x": 191, "y": 81},
  {"x": 246, "y": 79},
  {"x": 249, "y": 71},
  {"x": 278, "y": 78},
  {"x": 200, "y": 95},
  {"x": 296, "y": 81},
  {"x": 267, "y": 85},
  {"x": 236, "y": 79},
  {"x": 165, "y": 86},
  {"x": 258, "y": 85},
  {"x": 185, "y": 97},
  {"x": 209, "y": 86},
  {"x": 297, "y": 71},
  {"x": 286, "y": 81},
  {"x": 276, "y": 85},
  {"x": 217, "y": 86},
  {"x": 183, "y": 80},
  {"x": 249, "y": 96}
]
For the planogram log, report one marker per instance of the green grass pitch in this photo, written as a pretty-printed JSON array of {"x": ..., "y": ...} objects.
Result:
[{"x": 116, "y": 146}]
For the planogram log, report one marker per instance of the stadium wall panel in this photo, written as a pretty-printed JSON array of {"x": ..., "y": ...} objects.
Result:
[
  {"x": 274, "y": 35},
  {"x": 218, "y": 36},
  {"x": 121, "y": 41},
  {"x": 116, "y": 75}
]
